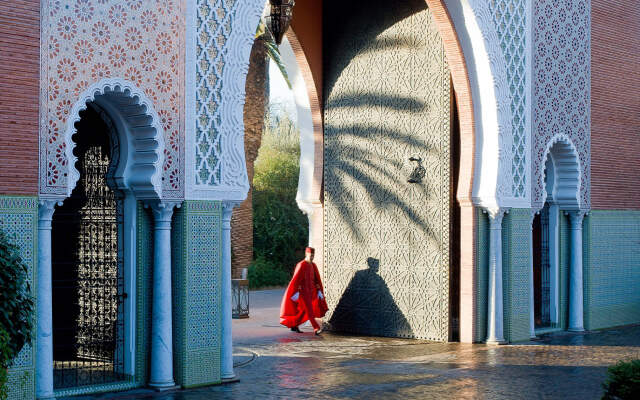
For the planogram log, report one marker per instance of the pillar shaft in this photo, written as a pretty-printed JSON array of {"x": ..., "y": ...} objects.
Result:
[
  {"x": 44, "y": 349},
  {"x": 227, "y": 333},
  {"x": 161, "y": 375},
  {"x": 495, "y": 307},
  {"x": 576, "y": 321},
  {"x": 532, "y": 322}
]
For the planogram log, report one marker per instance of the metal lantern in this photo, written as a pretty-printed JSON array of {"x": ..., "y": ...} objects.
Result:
[{"x": 280, "y": 18}]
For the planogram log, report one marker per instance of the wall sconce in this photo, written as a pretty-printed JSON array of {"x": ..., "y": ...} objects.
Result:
[
  {"x": 280, "y": 18},
  {"x": 418, "y": 172}
]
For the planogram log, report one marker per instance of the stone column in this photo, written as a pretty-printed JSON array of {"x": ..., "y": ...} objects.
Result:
[
  {"x": 161, "y": 376},
  {"x": 576, "y": 323},
  {"x": 532, "y": 320},
  {"x": 44, "y": 350},
  {"x": 495, "y": 314},
  {"x": 227, "y": 373}
]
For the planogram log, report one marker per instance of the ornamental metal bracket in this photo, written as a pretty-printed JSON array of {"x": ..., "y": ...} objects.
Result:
[
  {"x": 280, "y": 18},
  {"x": 418, "y": 172}
]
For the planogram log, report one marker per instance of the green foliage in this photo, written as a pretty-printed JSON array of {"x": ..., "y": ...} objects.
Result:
[
  {"x": 4, "y": 355},
  {"x": 623, "y": 381},
  {"x": 16, "y": 307},
  {"x": 264, "y": 273},
  {"x": 264, "y": 33},
  {"x": 280, "y": 229}
]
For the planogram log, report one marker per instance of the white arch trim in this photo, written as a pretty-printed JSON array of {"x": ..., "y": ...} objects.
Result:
[
  {"x": 487, "y": 71},
  {"x": 140, "y": 133},
  {"x": 304, "y": 120},
  {"x": 567, "y": 174},
  {"x": 486, "y": 67}
]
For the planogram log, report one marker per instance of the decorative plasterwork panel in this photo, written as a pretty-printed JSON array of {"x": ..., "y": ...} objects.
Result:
[
  {"x": 386, "y": 240},
  {"x": 85, "y": 41},
  {"x": 499, "y": 71},
  {"x": 561, "y": 87},
  {"x": 220, "y": 35},
  {"x": 509, "y": 17}
]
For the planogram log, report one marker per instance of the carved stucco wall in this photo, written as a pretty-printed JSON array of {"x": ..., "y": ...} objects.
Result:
[
  {"x": 509, "y": 18},
  {"x": 85, "y": 41},
  {"x": 561, "y": 87},
  {"x": 387, "y": 241},
  {"x": 220, "y": 34}
]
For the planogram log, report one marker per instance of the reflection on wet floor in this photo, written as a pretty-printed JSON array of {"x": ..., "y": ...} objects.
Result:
[{"x": 275, "y": 363}]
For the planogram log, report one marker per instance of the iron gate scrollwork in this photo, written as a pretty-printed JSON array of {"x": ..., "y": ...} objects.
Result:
[{"x": 88, "y": 282}]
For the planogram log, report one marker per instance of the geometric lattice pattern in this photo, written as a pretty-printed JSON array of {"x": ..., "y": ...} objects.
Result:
[
  {"x": 611, "y": 268},
  {"x": 386, "y": 240},
  {"x": 213, "y": 27},
  {"x": 516, "y": 266},
  {"x": 509, "y": 17},
  {"x": 18, "y": 219},
  {"x": 561, "y": 86},
  {"x": 85, "y": 41},
  {"x": 197, "y": 273}
]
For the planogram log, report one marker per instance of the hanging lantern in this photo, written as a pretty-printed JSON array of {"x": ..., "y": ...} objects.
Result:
[{"x": 280, "y": 18}]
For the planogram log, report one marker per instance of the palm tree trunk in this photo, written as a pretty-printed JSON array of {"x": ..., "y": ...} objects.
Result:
[{"x": 257, "y": 95}]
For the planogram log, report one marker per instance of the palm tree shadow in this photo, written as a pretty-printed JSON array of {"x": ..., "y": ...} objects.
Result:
[{"x": 367, "y": 307}]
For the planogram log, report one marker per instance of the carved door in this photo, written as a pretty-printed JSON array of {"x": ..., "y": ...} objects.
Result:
[{"x": 387, "y": 241}]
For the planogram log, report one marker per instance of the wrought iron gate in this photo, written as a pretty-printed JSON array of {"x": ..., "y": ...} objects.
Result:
[
  {"x": 88, "y": 278},
  {"x": 545, "y": 269}
]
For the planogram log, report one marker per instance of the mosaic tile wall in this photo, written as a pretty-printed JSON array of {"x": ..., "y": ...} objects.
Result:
[
  {"x": 561, "y": 85},
  {"x": 19, "y": 219},
  {"x": 482, "y": 274},
  {"x": 386, "y": 240},
  {"x": 197, "y": 270},
  {"x": 611, "y": 268},
  {"x": 84, "y": 41},
  {"x": 516, "y": 264},
  {"x": 509, "y": 17}
]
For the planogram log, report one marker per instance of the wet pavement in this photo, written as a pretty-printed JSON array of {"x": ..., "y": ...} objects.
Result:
[{"x": 274, "y": 363}]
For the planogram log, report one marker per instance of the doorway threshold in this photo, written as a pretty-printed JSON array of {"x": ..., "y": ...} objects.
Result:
[{"x": 96, "y": 389}]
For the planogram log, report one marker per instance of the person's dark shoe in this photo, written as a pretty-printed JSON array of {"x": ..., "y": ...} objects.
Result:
[
  {"x": 296, "y": 329},
  {"x": 318, "y": 332}
]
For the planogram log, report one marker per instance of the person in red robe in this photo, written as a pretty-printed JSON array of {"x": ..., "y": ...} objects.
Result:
[{"x": 304, "y": 298}]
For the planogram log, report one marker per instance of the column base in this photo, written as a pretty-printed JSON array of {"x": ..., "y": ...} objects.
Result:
[
  {"x": 164, "y": 387},
  {"x": 47, "y": 397},
  {"x": 230, "y": 380},
  {"x": 496, "y": 341},
  {"x": 576, "y": 330}
]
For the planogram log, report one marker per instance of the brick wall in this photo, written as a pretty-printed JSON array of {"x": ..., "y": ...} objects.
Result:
[
  {"x": 19, "y": 95},
  {"x": 615, "y": 102}
]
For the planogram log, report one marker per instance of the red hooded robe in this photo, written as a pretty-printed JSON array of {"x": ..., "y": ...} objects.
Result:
[{"x": 306, "y": 281}]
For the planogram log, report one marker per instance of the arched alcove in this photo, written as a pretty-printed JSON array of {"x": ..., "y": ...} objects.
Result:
[
  {"x": 139, "y": 132},
  {"x": 566, "y": 175}
]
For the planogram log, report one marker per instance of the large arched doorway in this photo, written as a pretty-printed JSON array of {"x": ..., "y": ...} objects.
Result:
[
  {"x": 99, "y": 288},
  {"x": 87, "y": 263},
  {"x": 390, "y": 148}
]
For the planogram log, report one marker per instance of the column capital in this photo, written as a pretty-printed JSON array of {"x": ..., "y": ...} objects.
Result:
[
  {"x": 162, "y": 210},
  {"x": 576, "y": 218},
  {"x": 227, "y": 211},
  {"x": 46, "y": 208},
  {"x": 496, "y": 214}
]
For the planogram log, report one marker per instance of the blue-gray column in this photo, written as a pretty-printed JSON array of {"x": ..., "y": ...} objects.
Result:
[
  {"x": 532, "y": 322},
  {"x": 44, "y": 346},
  {"x": 576, "y": 322},
  {"x": 227, "y": 333},
  {"x": 161, "y": 375},
  {"x": 495, "y": 314}
]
